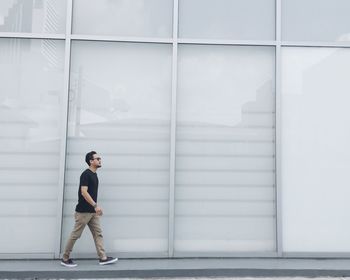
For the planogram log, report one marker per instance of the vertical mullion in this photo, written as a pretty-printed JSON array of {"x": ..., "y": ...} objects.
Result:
[
  {"x": 64, "y": 122},
  {"x": 278, "y": 132},
  {"x": 171, "y": 222}
]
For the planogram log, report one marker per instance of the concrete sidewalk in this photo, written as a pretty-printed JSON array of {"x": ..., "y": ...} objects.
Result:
[{"x": 204, "y": 267}]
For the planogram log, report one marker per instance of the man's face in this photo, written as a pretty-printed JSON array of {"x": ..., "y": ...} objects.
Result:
[{"x": 96, "y": 162}]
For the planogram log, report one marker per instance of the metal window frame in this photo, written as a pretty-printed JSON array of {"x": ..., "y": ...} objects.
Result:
[
  {"x": 175, "y": 41},
  {"x": 171, "y": 218},
  {"x": 278, "y": 132},
  {"x": 63, "y": 151}
]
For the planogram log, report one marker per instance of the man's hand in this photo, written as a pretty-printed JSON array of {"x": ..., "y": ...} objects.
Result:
[
  {"x": 99, "y": 211},
  {"x": 88, "y": 198}
]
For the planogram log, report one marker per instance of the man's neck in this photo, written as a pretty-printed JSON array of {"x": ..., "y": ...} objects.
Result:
[{"x": 93, "y": 169}]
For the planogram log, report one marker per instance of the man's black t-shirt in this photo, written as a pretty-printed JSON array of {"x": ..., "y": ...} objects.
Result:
[{"x": 89, "y": 179}]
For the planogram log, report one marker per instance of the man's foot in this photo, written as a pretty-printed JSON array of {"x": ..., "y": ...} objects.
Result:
[
  {"x": 108, "y": 260},
  {"x": 68, "y": 263}
]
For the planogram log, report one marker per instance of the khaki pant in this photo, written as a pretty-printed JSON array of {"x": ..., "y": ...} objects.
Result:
[{"x": 81, "y": 220}]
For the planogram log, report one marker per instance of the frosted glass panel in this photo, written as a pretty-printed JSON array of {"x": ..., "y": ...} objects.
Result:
[
  {"x": 139, "y": 18},
  {"x": 316, "y": 155},
  {"x": 225, "y": 149},
  {"x": 31, "y": 94},
  {"x": 227, "y": 19},
  {"x": 316, "y": 20},
  {"x": 120, "y": 98},
  {"x": 44, "y": 16}
]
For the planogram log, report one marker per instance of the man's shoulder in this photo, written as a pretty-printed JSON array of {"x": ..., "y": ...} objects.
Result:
[{"x": 86, "y": 172}]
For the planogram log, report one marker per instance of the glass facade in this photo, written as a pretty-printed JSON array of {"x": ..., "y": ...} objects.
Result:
[
  {"x": 316, "y": 20},
  {"x": 33, "y": 16},
  {"x": 128, "y": 123},
  {"x": 224, "y": 177},
  {"x": 151, "y": 18},
  {"x": 222, "y": 125},
  {"x": 31, "y": 98},
  {"x": 227, "y": 19}
]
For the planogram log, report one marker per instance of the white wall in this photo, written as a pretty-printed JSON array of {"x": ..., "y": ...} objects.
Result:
[{"x": 315, "y": 149}]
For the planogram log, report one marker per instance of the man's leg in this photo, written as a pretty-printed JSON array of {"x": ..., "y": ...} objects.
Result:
[
  {"x": 81, "y": 219},
  {"x": 95, "y": 228}
]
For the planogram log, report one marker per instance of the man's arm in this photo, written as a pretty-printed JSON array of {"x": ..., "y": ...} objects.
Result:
[{"x": 88, "y": 198}]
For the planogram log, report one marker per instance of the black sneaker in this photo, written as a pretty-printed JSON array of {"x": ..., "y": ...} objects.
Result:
[
  {"x": 109, "y": 260},
  {"x": 68, "y": 263}
]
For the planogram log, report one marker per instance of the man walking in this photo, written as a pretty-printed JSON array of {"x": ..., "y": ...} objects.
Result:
[{"x": 87, "y": 212}]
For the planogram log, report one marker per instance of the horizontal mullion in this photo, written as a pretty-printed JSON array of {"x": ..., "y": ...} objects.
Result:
[
  {"x": 226, "y": 137},
  {"x": 121, "y": 39},
  {"x": 13, "y": 215},
  {"x": 224, "y": 170},
  {"x": 224, "y": 186},
  {"x": 29, "y": 107},
  {"x": 30, "y": 200},
  {"x": 146, "y": 185},
  {"x": 25, "y": 153},
  {"x": 41, "y": 156},
  {"x": 159, "y": 139},
  {"x": 125, "y": 215},
  {"x": 226, "y": 42},
  {"x": 201, "y": 125},
  {"x": 178, "y": 139},
  {"x": 101, "y": 200},
  {"x": 21, "y": 35},
  {"x": 27, "y": 184},
  {"x": 28, "y": 168},
  {"x": 123, "y": 185},
  {"x": 109, "y": 139},
  {"x": 12, "y": 123},
  {"x": 21, "y": 256},
  {"x": 223, "y": 216},
  {"x": 127, "y": 154},
  {"x": 120, "y": 139},
  {"x": 226, "y": 200},
  {"x": 214, "y": 201},
  {"x": 139, "y": 123},
  {"x": 126, "y": 169},
  {"x": 224, "y": 155},
  {"x": 315, "y": 44},
  {"x": 183, "y": 139}
]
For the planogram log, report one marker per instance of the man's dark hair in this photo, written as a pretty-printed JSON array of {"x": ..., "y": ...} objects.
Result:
[{"x": 89, "y": 156}]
